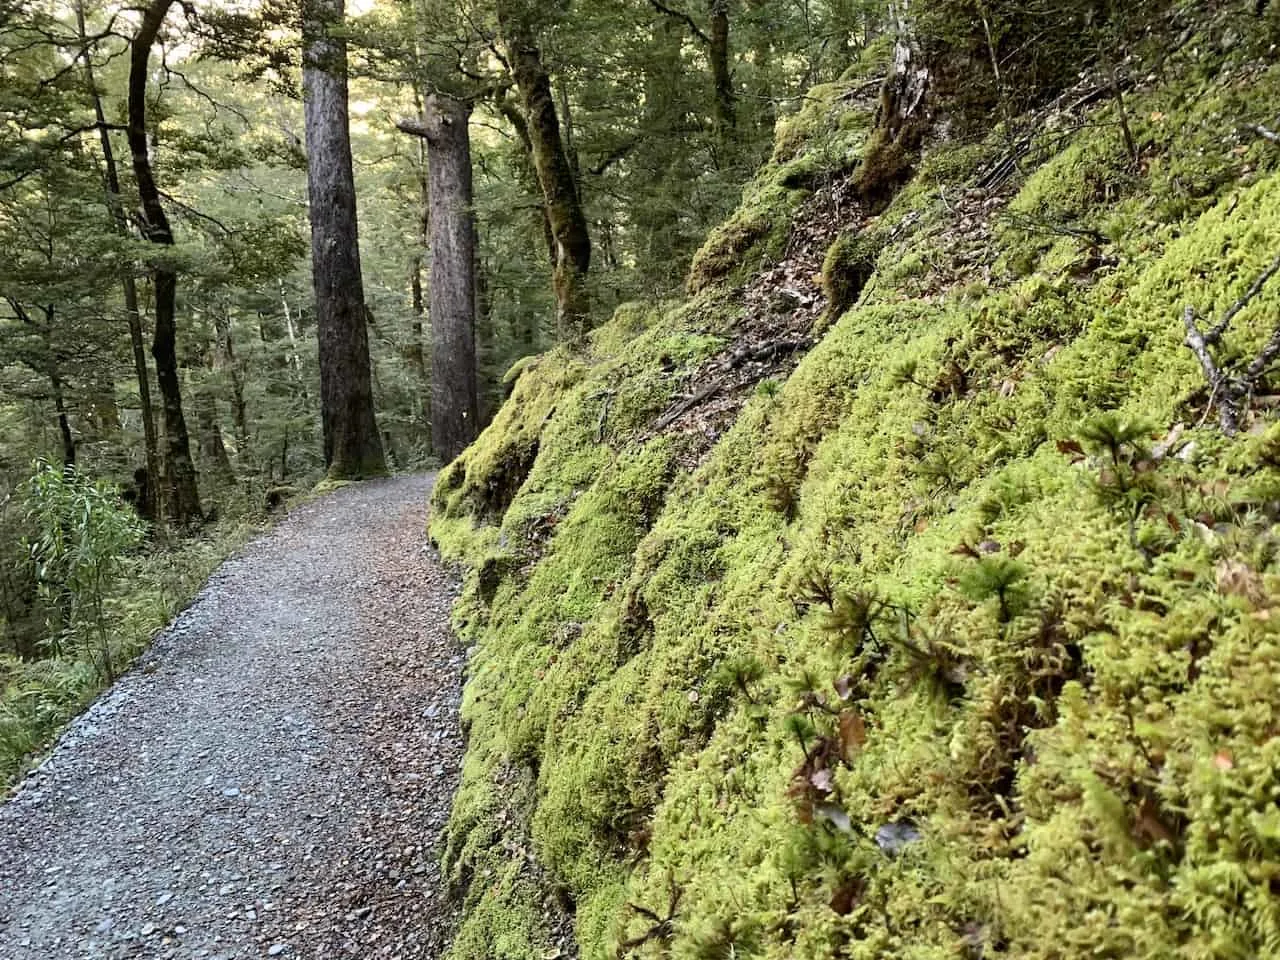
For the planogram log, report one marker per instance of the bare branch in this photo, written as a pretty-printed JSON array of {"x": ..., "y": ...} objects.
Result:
[
  {"x": 681, "y": 15},
  {"x": 1230, "y": 391},
  {"x": 1262, "y": 131},
  {"x": 1214, "y": 335}
]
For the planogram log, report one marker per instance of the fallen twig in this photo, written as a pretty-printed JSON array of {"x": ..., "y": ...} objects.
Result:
[
  {"x": 1231, "y": 392},
  {"x": 1262, "y": 131},
  {"x": 1220, "y": 327},
  {"x": 680, "y": 409}
]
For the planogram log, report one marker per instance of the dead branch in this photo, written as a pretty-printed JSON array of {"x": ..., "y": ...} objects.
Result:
[
  {"x": 1004, "y": 168},
  {"x": 1262, "y": 131},
  {"x": 663, "y": 928},
  {"x": 1220, "y": 327},
  {"x": 683, "y": 407},
  {"x": 767, "y": 351},
  {"x": 682, "y": 16},
  {"x": 1230, "y": 391}
]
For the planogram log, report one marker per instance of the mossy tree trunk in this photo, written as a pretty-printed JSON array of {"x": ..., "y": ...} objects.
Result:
[
  {"x": 555, "y": 175},
  {"x": 352, "y": 449},
  {"x": 721, "y": 73},
  {"x": 181, "y": 496}
]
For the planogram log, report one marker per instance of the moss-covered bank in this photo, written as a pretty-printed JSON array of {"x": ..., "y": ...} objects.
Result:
[{"x": 961, "y": 641}]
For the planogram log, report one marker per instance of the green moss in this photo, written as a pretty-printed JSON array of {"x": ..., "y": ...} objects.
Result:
[
  {"x": 938, "y": 579},
  {"x": 850, "y": 262},
  {"x": 828, "y": 136}
]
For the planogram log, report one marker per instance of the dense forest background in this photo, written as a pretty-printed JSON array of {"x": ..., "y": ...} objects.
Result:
[{"x": 181, "y": 426}]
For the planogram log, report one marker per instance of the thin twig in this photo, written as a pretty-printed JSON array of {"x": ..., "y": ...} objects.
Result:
[
  {"x": 681, "y": 15},
  {"x": 1214, "y": 335},
  {"x": 1230, "y": 391}
]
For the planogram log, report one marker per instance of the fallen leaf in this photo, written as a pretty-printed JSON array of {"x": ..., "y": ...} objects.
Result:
[{"x": 853, "y": 733}]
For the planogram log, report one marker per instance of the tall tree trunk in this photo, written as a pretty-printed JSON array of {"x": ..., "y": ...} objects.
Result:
[
  {"x": 509, "y": 110},
  {"x": 766, "y": 113},
  {"x": 133, "y": 315},
  {"x": 721, "y": 75},
  {"x": 555, "y": 175},
  {"x": 352, "y": 449},
  {"x": 416, "y": 352},
  {"x": 454, "y": 414},
  {"x": 182, "y": 498}
]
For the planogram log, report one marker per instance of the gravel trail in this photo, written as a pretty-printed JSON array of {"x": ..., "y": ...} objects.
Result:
[{"x": 272, "y": 779}]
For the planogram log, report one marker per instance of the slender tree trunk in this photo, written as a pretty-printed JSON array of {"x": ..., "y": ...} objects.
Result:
[
  {"x": 454, "y": 414},
  {"x": 416, "y": 352},
  {"x": 294, "y": 360},
  {"x": 721, "y": 74},
  {"x": 352, "y": 449},
  {"x": 228, "y": 362},
  {"x": 133, "y": 315},
  {"x": 214, "y": 462},
  {"x": 45, "y": 333},
  {"x": 486, "y": 338},
  {"x": 509, "y": 110},
  {"x": 570, "y": 135},
  {"x": 555, "y": 175},
  {"x": 766, "y": 113},
  {"x": 182, "y": 498},
  {"x": 64, "y": 424}
]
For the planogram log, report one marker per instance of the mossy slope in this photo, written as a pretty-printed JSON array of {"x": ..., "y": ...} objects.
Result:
[{"x": 961, "y": 642}]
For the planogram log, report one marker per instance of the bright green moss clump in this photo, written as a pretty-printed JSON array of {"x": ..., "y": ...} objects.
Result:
[{"x": 962, "y": 641}]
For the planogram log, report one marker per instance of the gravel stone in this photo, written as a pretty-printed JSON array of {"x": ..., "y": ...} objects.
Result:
[{"x": 281, "y": 772}]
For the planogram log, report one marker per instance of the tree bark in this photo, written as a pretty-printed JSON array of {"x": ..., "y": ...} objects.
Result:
[
  {"x": 352, "y": 449},
  {"x": 555, "y": 175},
  {"x": 64, "y": 424},
  {"x": 906, "y": 88},
  {"x": 454, "y": 413},
  {"x": 182, "y": 497},
  {"x": 133, "y": 315},
  {"x": 721, "y": 74}
]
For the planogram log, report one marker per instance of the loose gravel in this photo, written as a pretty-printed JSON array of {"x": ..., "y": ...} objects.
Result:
[{"x": 272, "y": 779}]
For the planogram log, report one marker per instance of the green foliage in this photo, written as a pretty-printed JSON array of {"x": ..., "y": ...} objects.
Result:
[
  {"x": 83, "y": 531},
  {"x": 40, "y": 694}
]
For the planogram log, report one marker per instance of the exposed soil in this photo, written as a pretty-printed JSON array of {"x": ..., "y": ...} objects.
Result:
[
  {"x": 781, "y": 305},
  {"x": 272, "y": 779}
]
